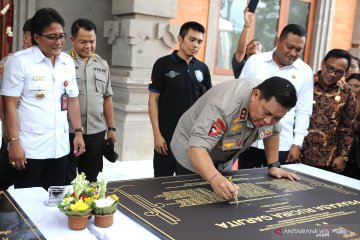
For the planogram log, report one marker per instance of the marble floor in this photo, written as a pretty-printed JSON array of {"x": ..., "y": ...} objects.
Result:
[{"x": 122, "y": 170}]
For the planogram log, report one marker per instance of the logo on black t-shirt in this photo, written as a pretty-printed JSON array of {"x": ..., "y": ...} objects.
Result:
[
  {"x": 199, "y": 75},
  {"x": 172, "y": 74}
]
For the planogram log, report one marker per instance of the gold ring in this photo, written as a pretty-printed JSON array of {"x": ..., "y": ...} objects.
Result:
[{"x": 13, "y": 164}]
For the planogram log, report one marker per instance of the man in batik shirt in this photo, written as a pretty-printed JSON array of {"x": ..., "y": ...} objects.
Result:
[{"x": 332, "y": 121}]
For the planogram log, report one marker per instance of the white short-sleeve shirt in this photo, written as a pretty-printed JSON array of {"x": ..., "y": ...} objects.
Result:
[
  {"x": 295, "y": 124},
  {"x": 43, "y": 126}
]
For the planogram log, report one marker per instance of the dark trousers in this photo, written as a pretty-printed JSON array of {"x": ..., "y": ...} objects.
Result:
[
  {"x": 42, "y": 173},
  {"x": 180, "y": 170},
  {"x": 255, "y": 157},
  {"x": 7, "y": 172},
  {"x": 90, "y": 162},
  {"x": 351, "y": 170},
  {"x": 164, "y": 165}
]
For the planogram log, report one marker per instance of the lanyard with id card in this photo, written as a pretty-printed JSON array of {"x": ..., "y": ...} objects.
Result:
[{"x": 65, "y": 98}]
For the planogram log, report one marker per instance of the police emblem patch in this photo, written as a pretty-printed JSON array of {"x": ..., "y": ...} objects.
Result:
[
  {"x": 199, "y": 75},
  {"x": 172, "y": 74},
  {"x": 221, "y": 123},
  {"x": 214, "y": 130}
]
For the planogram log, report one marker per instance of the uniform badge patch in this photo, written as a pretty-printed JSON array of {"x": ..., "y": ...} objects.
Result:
[
  {"x": 268, "y": 132},
  {"x": 228, "y": 145},
  {"x": 239, "y": 142},
  {"x": 199, "y": 75},
  {"x": 236, "y": 119},
  {"x": 172, "y": 74},
  {"x": 214, "y": 130},
  {"x": 221, "y": 123},
  {"x": 235, "y": 127},
  {"x": 261, "y": 135},
  {"x": 243, "y": 114}
]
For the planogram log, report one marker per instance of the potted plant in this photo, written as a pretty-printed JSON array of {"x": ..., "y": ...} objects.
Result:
[
  {"x": 104, "y": 206},
  {"x": 77, "y": 206}
]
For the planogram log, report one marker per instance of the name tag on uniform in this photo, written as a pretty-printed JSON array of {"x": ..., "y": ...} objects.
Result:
[
  {"x": 232, "y": 144},
  {"x": 39, "y": 78}
]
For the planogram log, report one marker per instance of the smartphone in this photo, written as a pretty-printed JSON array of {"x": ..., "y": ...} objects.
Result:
[{"x": 252, "y": 5}]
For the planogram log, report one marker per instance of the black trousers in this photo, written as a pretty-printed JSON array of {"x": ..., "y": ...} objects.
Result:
[
  {"x": 351, "y": 170},
  {"x": 164, "y": 165},
  {"x": 90, "y": 162},
  {"x": 255, "y": 158},
  {"x": 7, "y": 172},
  {"x": 42, "y": 173},
  {"x": 180, "y": 170}
]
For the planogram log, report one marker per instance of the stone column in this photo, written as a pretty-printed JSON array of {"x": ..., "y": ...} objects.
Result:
[
  {"x": 323, "y": 23},
  {"x": 139, "y": 34},
  {"x": 355, "y": 44}
]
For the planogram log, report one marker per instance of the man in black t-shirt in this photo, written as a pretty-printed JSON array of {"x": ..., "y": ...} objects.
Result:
[{"x": 177, "y": 81}]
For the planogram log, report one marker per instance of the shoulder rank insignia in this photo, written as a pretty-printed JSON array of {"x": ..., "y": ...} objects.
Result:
[
  {"x": 72, "y": 54},
  {"x": 243, "y": 114}
]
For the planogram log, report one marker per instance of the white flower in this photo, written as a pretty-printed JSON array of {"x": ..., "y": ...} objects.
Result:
[
  {"x": 337, "y": 98},
  {"x": 9, "y": 32},
  {"x": 5, "y": 9},
  {"x": 104, "y": 202}
]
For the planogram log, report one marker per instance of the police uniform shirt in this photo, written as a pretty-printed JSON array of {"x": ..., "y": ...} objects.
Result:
[
  {"x": 93, "y": 80},
  {"x": 295, "y": 124},
  {"x": 43, "y": 127},
  {"x": 179, "y": 84},
  {"x": 219, "y": 122}
]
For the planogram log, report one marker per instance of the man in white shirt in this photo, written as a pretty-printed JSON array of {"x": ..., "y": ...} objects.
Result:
[
  {"x": 40, "y": 94},
  {"x": 284, "y": 62}
]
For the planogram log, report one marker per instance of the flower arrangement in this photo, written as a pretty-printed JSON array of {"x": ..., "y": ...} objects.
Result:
[
  {"x": 88, "y": 198},
  {"x": 76, "y": 204},
  {"x": 104, "y": 205}
]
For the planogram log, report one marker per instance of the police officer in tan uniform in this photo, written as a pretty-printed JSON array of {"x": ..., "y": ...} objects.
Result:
[
  {"x": 226, "y": 121},
  {"x": 95, "y": 96}
]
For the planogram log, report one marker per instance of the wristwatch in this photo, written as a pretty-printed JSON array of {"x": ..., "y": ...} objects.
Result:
[
  {"x": 111, "y": 129},
  {"x": 79, "y": 129},
  {"x": 275, "y": 164}
]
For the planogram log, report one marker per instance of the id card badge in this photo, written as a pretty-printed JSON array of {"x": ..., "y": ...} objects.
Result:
[{"x": 64, "y": 101}]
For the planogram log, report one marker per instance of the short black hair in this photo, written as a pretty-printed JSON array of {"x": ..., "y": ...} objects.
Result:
[
  {"x": 338, "y": 53},
  {"x": 356, "y": 59},
  {"x": 294, "y": 29},
  {"x": 191, "y": 25},
  {"x": 27, "y": 26},
  {"x": 82, "y": 23},
  {"x": 42, "y": 19},
  {"x": 353, "y": 76},
  {"x": 281, "y": 89}
]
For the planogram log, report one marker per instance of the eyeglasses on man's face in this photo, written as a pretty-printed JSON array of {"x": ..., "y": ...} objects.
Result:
[
  {"x": 354, "y": 66},
  {"x": 54, "y": 37},
  {"x": 331, "y": 70}
]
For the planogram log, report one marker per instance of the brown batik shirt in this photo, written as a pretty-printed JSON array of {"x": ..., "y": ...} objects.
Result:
[{"x": 331, "y": 125}]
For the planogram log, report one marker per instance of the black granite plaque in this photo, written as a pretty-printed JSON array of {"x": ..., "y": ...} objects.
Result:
[
  {"x": 14, "y": 223},
  {"x": 185, "y": 207}
]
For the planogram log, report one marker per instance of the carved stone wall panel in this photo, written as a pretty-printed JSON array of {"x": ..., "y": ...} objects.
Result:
[
  {"x": 160, "y": 8},
  {"x": 136, "y": 42},
  {"x": 139, "y": 34}
]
